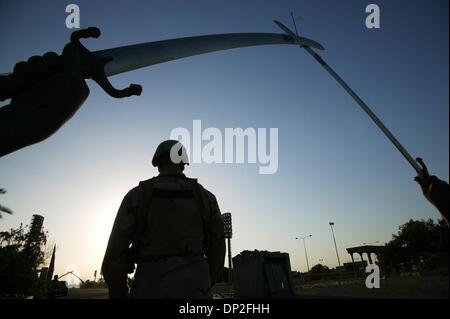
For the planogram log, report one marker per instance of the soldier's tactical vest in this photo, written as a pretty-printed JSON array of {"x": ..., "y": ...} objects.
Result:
[{"x": 170, "y": 222}]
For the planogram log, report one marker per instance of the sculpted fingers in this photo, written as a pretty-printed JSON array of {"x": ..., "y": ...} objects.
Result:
[
  {"x": 38, "y": 66},
  {"x": 52, "y": 60},
  {"x": 21, "y": 68}
]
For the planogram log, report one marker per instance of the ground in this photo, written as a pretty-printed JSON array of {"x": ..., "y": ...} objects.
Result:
[{"x": 390, "y": 288}]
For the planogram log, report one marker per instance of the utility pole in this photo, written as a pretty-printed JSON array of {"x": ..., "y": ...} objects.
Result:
[{"x": 335, "y": 246}]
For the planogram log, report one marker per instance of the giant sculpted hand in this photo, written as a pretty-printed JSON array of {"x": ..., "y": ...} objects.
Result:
[
  {"x": 435, "y": 190},
  {"x": 47, "y": 91}
]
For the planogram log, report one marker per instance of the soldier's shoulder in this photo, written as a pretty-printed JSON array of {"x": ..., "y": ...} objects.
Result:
[
  {"x": 136, "y": 191},
  {"x": 207, "y": 193}
]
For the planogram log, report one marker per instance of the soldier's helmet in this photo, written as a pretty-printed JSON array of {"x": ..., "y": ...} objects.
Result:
[{"x": 170, "y": 150}]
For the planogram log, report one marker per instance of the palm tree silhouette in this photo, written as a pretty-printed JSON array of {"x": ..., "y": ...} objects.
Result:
[{"x": 3, "y": 208}]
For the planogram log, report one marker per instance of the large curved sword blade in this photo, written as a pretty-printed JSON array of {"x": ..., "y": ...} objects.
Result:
[
  {"x": 103, "y": 63},
  {"x": 132, "y": 57}
]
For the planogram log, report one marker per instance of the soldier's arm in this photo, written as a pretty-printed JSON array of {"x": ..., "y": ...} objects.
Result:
[
  {"x": 115, "y": 263},
  {"x": 215, "y": 251}
]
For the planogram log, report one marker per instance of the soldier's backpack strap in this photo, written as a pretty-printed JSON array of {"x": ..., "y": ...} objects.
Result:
[
  {"x": 197, "y": 193},
  {"x": 141, "y": 224},
  {"x": 141, "y": 221}
]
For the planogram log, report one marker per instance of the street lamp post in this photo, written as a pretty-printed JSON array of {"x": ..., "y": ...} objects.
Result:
[
  {"x": 304, "y": 245},
  {"x": 335, "y": 246},
  {"x": 228, "y": 234}
]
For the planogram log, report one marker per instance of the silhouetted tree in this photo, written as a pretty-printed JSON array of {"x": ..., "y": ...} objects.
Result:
[
  {"x": 416, "y": 241},
  {"x": 19, "y": 259},
  {"x": 317, "y": 271}
]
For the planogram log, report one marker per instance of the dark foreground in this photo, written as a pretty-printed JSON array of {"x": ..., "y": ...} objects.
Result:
[{"x": 390, "y": 288}]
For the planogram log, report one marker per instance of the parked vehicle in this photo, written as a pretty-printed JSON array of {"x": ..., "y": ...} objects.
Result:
[{"x": 62, "y": 289}]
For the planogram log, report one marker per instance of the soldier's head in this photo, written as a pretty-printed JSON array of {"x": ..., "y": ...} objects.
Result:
[{"x": 170, "y": 155}]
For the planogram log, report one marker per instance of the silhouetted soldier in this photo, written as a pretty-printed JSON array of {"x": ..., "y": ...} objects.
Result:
[{"x": 176, "y": 231}]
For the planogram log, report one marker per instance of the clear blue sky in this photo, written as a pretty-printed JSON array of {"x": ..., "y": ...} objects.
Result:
[{"x": 334, "y": 163}]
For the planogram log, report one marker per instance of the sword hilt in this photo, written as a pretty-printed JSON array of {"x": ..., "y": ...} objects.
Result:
[{"x": 94, "y": 66}]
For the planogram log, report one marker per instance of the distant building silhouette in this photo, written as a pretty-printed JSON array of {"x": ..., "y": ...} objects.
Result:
[{"x": 366, "y": 249}]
